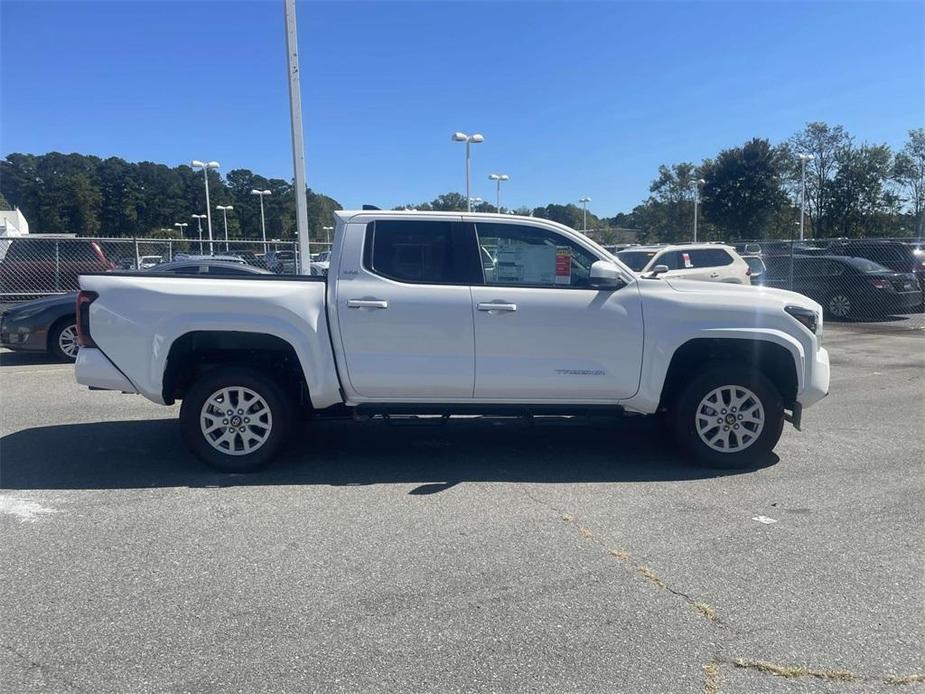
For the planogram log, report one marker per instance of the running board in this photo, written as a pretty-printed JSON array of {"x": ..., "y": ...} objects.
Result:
[{"x": 450, "y": 409}]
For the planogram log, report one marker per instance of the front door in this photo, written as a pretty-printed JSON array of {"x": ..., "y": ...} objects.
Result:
[
  {"x": 405, "y": 315},
  {"x": 542, "y": 333}
]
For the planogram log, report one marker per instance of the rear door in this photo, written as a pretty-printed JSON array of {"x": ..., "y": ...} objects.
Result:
[
  {"x": 405, "y": 312},
  {"x": 542, "y": 333}
]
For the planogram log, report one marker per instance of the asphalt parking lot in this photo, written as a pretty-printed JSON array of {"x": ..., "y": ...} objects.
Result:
[{"x": 478, "y": 555}]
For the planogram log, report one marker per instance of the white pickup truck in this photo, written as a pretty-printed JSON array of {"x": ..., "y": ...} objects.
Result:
[{"x": 454, "y": 313}]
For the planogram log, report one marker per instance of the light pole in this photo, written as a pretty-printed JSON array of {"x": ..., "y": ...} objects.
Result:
[
  {"x": 584, "y": 213},
  {"x": 469, "y": 140},
  {"x": 224, "y": 209},
  {"x": 205, "y": 166},
  {"x": 803, "y": 159},
  {"x": 263, "y": 221},
  {"x": 470, "y": 202},
  {"x": 696, "y": 185},
  {"x": 327, "y": 235},
  {"x": 497, "y": 178},
  {"x": 199, "y": 218}
]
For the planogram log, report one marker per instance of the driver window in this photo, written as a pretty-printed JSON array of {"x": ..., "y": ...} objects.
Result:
[{"x": 515, "y": 254}]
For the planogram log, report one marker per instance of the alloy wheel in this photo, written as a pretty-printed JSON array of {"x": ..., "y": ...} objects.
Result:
[
  {"x": 729, "y": 419},
  {"x": 840, "y": 306},
  {"x": 67, "y": 341},
  {"x": 236, "y": 420}
]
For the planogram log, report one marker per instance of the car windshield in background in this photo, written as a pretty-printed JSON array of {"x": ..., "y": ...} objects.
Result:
[
  {"x": 636, "y": 260},
  {"x": 756, "y": 265},
  {"x": 865, "y": 265}
]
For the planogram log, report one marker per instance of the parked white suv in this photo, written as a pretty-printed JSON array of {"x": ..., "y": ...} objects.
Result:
[{"x": 693, "y": 261}]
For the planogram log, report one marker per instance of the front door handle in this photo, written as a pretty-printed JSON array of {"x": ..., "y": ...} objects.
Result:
[
  {"x": 491, "y": 306},
  {"x": 367, "y": 303},
  {"x": 714, "y": 274}
]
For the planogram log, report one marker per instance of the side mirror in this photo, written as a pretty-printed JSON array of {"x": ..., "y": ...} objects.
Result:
[
  {"x": 658, "y": 270},
  {"x": 605, "y": 275}
]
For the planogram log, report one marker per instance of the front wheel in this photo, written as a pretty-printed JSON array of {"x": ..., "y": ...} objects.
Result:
[
  {"x": 235, "y": 418},
  {"x": 729, "y": 417}
]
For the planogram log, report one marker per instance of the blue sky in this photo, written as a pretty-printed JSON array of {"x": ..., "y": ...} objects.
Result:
[{"x": 573, "y": 98}]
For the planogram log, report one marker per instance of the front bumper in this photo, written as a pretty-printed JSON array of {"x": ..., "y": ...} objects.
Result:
[
  {"x": 816, "y": 385},
  {"x": 94, "y": 369},
  {"x": 22, "y": 335}
]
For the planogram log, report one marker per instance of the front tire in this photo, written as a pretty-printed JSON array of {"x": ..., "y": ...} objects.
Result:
[
  {"x": 730, "y": 417},
  {"x": 235, "y": 419}
]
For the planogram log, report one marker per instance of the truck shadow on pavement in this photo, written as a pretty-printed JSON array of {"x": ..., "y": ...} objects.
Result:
[{"x": 432, "y": 455}]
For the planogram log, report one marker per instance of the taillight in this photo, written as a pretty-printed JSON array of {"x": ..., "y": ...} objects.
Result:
[
  {"x": 84, "y": 299},
  {"x": 879, "y": 282}
]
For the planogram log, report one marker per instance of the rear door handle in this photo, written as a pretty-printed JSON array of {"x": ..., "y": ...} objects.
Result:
[
  {"x": 491, "y": 306},
  {"x": 367, "y": 303}
]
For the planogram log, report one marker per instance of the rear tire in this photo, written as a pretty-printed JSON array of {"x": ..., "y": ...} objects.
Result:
[
  {"x": 62, "y": 340},
  {"x": 730, "y": 417},
  {"x": 839, "y": 306},
  {"x": 235, "y": 418}
]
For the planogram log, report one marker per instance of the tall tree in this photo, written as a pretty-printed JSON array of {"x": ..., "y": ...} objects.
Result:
[
  {"x": 742, "y": 190},
  {"x": 857, "y": 190},
  {"x": 824, "y": 143},
  {"x": 909, "y": 173}
]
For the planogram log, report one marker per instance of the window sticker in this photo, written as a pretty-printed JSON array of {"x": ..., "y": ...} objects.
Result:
[
  {"x": 525, "y": 263},
  {"x": 687, "y": 260},
  {"x": 563, "y": 265}
]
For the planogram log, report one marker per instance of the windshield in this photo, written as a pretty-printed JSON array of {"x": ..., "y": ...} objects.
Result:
[{"x": 636, "y": 260}]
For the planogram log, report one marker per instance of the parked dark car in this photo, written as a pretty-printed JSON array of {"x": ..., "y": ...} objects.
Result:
[
  {"x": 48, "y": 324},
  {"x": 896, "y": 255},
  {"x": 846, "y": 287},
  {"x": 48, "y": 264}
]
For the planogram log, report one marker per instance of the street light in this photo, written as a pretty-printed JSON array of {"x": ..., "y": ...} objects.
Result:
[
  {"x": 327, "y": 235},
  {"x": 474, "y": 201},
  {"x": 696, "y": 185},
  {"x": 205, "y": 166},
  {"x": 199, "y": 218},
  {"x": 497, "y": 178},
  {"x": 803, "y": 159},
  {"x": 469, "y": 140},
  {"x": 263, "y": 221},
  {"x": 224, "y": 209},
  {"x": 584, "y": 214}
]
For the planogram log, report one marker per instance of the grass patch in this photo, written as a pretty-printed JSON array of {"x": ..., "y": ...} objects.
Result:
[
  {"x": 585, "y": 533},
  {"x": 652, "y": 576},
  {"x": 906, "y": 679},
  {"x": 619, "y": 554},
  {"x": 711, "y": 678},
  {"x": 706, "y": 610},
  {"x": 794, "y": 671}
]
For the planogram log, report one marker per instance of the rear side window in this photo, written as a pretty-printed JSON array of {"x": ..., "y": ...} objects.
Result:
[
  {"x": 415, "y": 251},
  {"x": 709, "y": 257}
]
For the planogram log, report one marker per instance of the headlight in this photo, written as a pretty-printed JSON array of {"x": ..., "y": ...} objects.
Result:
[{"x": 806, "y": 316}]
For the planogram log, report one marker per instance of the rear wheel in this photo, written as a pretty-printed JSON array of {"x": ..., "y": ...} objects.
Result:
[
  {"x": 235, "y": 418},
  {"x": 729, "y": 417},
  {"x": 62, "y": 340},
  {"x": 839, "y": 306}
]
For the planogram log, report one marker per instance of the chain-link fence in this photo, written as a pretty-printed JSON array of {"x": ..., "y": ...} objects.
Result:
[
  {"x": 35, "y": 266},
  {"x": 877, "y": 282}
]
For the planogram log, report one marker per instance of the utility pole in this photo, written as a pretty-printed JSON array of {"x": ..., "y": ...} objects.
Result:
[{"x": 298, "y": 142}]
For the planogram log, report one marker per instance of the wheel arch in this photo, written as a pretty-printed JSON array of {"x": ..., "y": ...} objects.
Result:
[
  {"x": 198, "y": 351},
  {"x": 54, "y": 325},
  {"x": 779, "y": 363}
]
